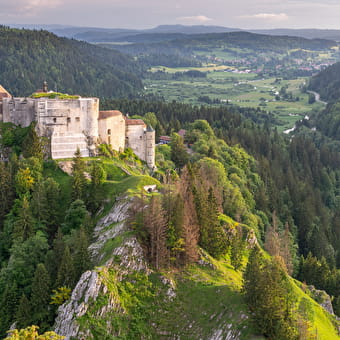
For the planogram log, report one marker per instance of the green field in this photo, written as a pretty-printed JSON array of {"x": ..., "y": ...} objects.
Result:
[{"x": 242, "y": 89}]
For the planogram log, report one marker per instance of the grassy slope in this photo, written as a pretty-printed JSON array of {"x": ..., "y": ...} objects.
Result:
[{"x": 208, "y": 297}]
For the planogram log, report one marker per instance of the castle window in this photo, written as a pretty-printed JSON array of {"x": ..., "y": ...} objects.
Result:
[
  {"x": 140, "y": 137},
  {"x": 109, "y": 131},
  {"x": 77, "y": 119},
  {"x": 68, "y": 119},
  {"x": 54, "y": 120}
]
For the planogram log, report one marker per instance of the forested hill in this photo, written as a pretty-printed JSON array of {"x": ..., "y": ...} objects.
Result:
[
  {"x": 27, "y": 58},
  {"x": 327, "y": 83},
  {"x": 250, "y": 41}
]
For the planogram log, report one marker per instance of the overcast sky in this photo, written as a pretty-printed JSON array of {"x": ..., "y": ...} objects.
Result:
[{"x": 150, "y": 13}]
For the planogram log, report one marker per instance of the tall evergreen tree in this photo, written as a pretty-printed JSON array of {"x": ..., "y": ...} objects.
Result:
[
  {"x": 156, "y": 226},
  {"x": 82, "y": 260},
  {"x": 66, "y": 273},
  {"x": 23, "y": 316},
  {"x": 24, "y": 223},
  {"x": 78, "y": 179},
  {"x": 40, "y": 296},
  {"x": 32, "y": 145},
  {"x": 6, "y": 192}
]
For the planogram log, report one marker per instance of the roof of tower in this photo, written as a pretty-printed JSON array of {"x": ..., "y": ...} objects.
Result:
[
  {"x": 107, "y": 114},
  {"x": 150, "y": 129},
  {"x": 4, "y": 93},
  {"x": 134, "y": 121}
]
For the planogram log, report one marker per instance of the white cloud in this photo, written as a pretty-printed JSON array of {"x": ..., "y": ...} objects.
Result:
[
  {"x": 195, "y": 19},
  {"x": 267, "y": 16}
]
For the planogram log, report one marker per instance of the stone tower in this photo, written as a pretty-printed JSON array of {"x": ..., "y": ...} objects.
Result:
[{"x": 150, "y": 147}]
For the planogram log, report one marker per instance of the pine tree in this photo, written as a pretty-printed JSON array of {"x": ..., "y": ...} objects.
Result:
[
  {"x": 24, "y": 223},
  {"x": 6, "y": 192},
  {"x": 190, "y": 229},
  {"x": 272, "y": 239},
  {"x": 32, "y": 145},
  {"x": 40, "y": 296},
  {"x": 82, "y": 260},
  {"x": 76, "y": 216},
  {"x": 286, "y": 248},
  {"x": 8, "y": 306},
  {"x": 98, "y": 176},
  {"x": 66, "y": 273},
  {"x": 39, "y": 204},
  {"x": 156, "y": 227},
  {"x": 78, "y": 180},
  {"x": 237, "y": 248},
  {"x": 23, "y": 317}
]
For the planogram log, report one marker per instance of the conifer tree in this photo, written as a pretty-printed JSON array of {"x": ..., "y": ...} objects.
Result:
[
  {"x": 40, "y": 296},
  {"x": 272, "y": 239},
  {"x": 78, "y": 180},
  {"x": 82, "y": 260},
  {"x": 98, "y": 176},
  {"x": 8, "y": 305},
  {"x": 24, "y": 223},
  {"x": 23, "y": 316},
  {"x": 66, "y": 273},
  {"x": 190, "y": 229},
  {"x": 156, "y": 226},
  {"x": 76, "y": 216},
  {"x": 6, "y": 192},
  {"x": 237, "y": 248},
  {"x": 54, "y": 256},
  {"x": 39, "y": 204},
  {"x": 32, "y": 145}
]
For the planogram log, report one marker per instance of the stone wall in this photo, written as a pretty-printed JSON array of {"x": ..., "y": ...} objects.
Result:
[
  {"x": 19, "y": 111},
  {"x": 111, "y": 129},
  {"x": 136, "y": 139}
]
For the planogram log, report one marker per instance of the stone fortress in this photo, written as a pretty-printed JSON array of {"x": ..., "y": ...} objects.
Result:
[{"x": 76, "y": 122}]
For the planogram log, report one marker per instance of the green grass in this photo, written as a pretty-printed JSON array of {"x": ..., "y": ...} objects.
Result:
[
  {"x": 243, "y": 90},
  {"x": 53, "y": 95}
]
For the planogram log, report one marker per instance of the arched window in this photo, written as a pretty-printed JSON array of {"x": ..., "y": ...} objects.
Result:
[{"x": 109, "y": 131}]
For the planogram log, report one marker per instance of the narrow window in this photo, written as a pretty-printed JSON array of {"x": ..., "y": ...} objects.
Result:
[
  {"x": 109, "y": 131},
  {"x": 77, "y": 119},
  {"x": 54, "y": 120},
  {"x": 68, "y": 119}
]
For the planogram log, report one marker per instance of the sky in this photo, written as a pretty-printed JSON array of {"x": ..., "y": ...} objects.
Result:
[{"x": 251, "y": 14}]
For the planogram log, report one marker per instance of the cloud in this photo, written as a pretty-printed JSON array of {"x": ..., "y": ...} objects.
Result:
[
  {"x": 267, "y": 16},
  {"x": 26, "y": 7},
  {"x": 195, "y": 19}
]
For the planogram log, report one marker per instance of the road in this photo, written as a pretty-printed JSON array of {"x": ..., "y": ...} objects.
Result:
[{"x": 317, "y": 97}]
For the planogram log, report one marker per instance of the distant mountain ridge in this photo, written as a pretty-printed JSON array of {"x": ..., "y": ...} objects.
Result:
[{"x": 117, "y": 33}]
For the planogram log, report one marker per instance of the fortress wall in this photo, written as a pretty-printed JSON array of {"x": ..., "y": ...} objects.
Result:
[
  {"x": 68, "y": 123},
  {"x": 19, "y": 111},
  {"x": 136, "y": 139},
  {"x": 150, "y": 148},
  {"x": 112, "y": 131}
]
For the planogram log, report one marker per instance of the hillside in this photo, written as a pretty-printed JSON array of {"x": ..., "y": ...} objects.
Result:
[
  {"x": 114, "y": 261},
  {"x": 250, "y": 41},
  {"x": 327, "y": 83},
  {"x": 27, "y": 58}
]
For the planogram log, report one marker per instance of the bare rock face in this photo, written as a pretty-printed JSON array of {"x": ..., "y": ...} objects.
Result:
[
  {"x": 87, "y": 288},
  {"x": 322, "y": 298},
  {"x": 104, "y": 232},
  {"x": 94, "y": 283}
]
